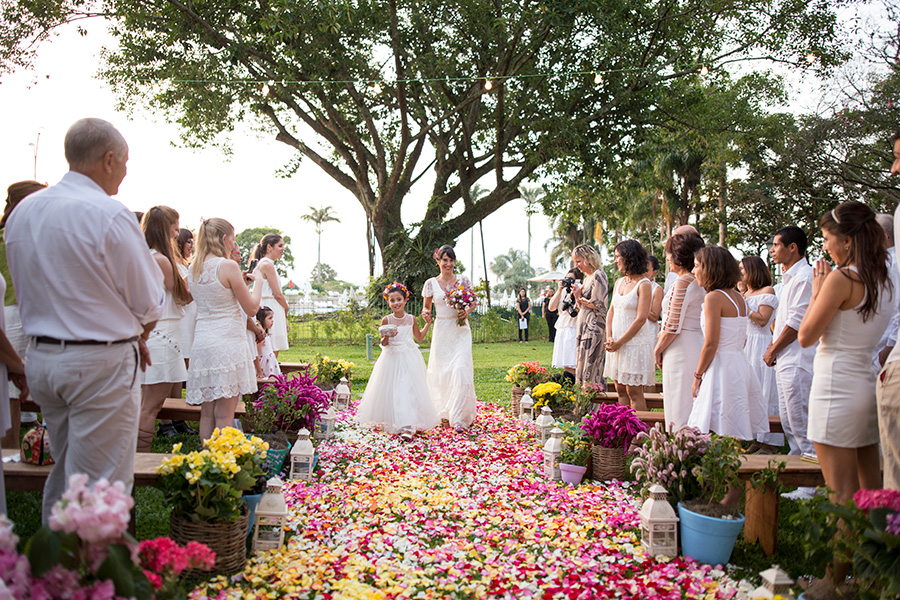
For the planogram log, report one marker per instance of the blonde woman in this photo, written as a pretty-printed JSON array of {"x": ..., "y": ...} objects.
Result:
[
  {"x": 591, "y": 298},
  {"x": 221, "y": 367}
]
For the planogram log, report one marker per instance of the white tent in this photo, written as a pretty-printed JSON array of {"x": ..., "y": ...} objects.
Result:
[{"x": 551, "y": 276}]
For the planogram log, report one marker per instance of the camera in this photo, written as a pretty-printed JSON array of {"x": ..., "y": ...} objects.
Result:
[
  {"x": 253, "y": 264},
  {"x": 568, "y": 282}
]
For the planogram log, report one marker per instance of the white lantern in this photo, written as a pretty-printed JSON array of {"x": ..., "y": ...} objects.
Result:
[
  {"x": 526, "y": 408},
  {"x": 552, "y": 450},
  {"x": 302, "y": 455},
  {"x": 545, "y": 423},
  {"x": 325, "y": 425},
  {"x": 659, "y": 525},
  {"x": 271, "y": 518},
  {"x": 342, "y": 395},
  {"x": 775, "y": 582}
]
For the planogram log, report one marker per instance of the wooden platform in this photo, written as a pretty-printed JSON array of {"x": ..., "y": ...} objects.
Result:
[
  {"x": 652, "y": 418},
  {"x": 173, "y": 408},
  {"x": 25, "y": 476},
  {"x": 291, "y": 367}
]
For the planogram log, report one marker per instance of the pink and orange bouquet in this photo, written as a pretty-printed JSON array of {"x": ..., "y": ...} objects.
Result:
[{"x": 461, "y": 297}]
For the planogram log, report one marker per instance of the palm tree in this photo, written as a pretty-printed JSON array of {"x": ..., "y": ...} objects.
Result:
[
  {"x": 320, "y": 216},
  {"x": 531, "y": 195}
]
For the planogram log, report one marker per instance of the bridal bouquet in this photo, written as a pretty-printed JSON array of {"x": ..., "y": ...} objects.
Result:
[{"x": 461, "y": 297}]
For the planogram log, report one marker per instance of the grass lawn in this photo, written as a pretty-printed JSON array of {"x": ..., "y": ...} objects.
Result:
[{"x": 491, "y": 363}]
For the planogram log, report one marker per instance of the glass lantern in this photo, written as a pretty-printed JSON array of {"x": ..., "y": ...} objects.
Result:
[
  {"x": 271, "y": 518},
  {"x": 324, "y": 429},
  {"x": 302, "y": 455},
  {"x": 544, "y": 424},
  {"x": 659, "y": 525},
  {"x": 552, "y": 450},
  {"x": 775, "y": 582},
  {"x": 342, "y": 395},
  {"x": 526, "y": 408}
]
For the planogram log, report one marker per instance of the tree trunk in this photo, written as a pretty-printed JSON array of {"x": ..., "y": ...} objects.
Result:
[
  {"x": 723, "y": 202},
  {"x": 370, "y": 244},
  {"x": 487, "y": 283}
]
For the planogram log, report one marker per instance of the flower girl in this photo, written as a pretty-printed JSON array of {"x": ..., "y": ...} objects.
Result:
[{"x": 396, "y": 397}]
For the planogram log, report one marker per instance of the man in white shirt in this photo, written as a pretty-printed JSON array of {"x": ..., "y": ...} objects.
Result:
[
  {"x": 89, "y": 294},
  {"x": 887, "y": 389},
  {"x": 793, "y": 364},
  {"x": 889, "y": 337}
]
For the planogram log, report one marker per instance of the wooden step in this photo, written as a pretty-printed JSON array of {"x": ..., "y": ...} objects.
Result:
[
  {"x": 25, "y": 476},
  {"x": 651, "y": 418}
]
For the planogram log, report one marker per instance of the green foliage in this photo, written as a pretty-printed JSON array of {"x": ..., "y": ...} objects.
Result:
[
  {"x": 768, "y": 477},
  {"x": 577, "y": 453},
  {"x": 718, "y": 467},
  {"x": 322, "y": 274},
  {"x": 513, "y": 270},
  {"x": 248, "y": 239}
]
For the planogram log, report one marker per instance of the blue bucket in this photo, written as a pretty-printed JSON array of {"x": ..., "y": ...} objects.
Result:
[
  {"x": 708, "y": 539},
  {"x": 252, "y": 501}
]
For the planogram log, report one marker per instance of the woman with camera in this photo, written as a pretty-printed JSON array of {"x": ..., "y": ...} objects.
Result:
[
  {"x": 681, "y": 339},
  {"x": 566, "y": 342},
  {"x": 591, "y": 299}
]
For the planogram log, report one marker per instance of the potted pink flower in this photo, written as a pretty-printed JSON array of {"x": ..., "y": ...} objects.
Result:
[{"x": 611, "y": 428}]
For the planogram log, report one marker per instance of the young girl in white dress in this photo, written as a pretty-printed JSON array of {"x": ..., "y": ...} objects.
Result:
[
  {"x": 268, "y": 362},
  {"x": 270, "y": 249},
  {"x": 451, "y": 372},
  {"x": 397, "y": 397},
  {"x": 221, "y": 368}
]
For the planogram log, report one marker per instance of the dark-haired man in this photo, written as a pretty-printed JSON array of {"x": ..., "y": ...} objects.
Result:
[{"x": 793, "y": 364}]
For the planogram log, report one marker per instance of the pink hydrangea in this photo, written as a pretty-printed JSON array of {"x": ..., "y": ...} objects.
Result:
[
  {"x": 96, "y": 514},
  {"x": 869, "y": 499}
]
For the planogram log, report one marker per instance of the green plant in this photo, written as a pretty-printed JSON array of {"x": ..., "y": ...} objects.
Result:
[
  {"x": 207, "y": 485},
  {"x": 554, "y": 395},
  {"x": 718, "y": 468},
  {"x": 528, "y": 375},
  {"x": 767, "y": 477},
  {"x": 330, "y": 370},
  {"x": 576, "y": 453},
  {"x": 290, "y": 402}
]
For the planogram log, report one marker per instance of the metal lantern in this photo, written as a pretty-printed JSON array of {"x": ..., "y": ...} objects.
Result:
[
  {"x": 302, "y": 455},
  {"x": 342, "y": 395},
  {"x": 659, "y": 525},
  {"x": 526, "y": 408},
  {"x": 552, "y": 450},
  {"x": 325, "y": 425},
  {"x": 775, "y": 582},
  {"x": 271, "y": 518},
  {"x": 545, "y": 423}
]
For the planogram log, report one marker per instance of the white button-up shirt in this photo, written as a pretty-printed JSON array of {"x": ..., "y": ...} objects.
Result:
[
  {"x": 895, "y": 353},
  {"x": 796, "y": 292},
  {"x": 80, "y": 264}
]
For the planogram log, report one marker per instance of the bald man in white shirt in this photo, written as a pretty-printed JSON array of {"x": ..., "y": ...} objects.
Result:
[{"x": 89, "y": 294}]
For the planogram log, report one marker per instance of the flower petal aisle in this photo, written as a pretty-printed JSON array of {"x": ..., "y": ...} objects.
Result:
[{"x": 459, "y": 516}]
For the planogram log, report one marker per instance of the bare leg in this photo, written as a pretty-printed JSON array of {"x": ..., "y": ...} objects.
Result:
[
  {"x": 224, "y": 411},
  {"x": 152, "y": 398},
  {"x": 622, "y": 394},
  {"x": 842, "y": 476},
  {"x": 869, "y": 466},
  {"x": 207, "y": 420},
  {"x": 636, "y": 396}
]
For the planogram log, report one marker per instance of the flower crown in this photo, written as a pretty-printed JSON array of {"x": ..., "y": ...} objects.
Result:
[{"x": 395, "y": 287}]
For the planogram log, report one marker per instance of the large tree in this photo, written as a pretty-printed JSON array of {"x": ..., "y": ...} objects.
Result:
[{"x": 379, "y": 94}]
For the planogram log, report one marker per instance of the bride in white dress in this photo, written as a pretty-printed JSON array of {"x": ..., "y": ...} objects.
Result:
[{"x": 451, "y": 373}]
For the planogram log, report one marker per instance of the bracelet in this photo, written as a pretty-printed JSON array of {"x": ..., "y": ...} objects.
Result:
[{"x": 698, "y": 376}]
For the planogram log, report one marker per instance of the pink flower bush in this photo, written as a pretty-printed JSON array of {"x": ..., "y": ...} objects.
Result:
[
  {"x": 166, "y": 558},
  {"x": 96, "y": 514},
  {"x": 869, "y": 499},
  {"x": 613, "y": 425}
]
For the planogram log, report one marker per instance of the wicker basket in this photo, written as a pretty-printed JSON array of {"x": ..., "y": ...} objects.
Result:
[
  {"x": 227, "y": 540},
  {"x": 517, "y": 393},
  {"x": 609, "y": 463}
]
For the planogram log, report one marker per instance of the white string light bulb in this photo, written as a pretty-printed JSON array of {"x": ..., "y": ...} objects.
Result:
[
  {"x": 598, "y": 78},
  {"x": 488, "y": 85},
  {"x": 704, "y": 70}
]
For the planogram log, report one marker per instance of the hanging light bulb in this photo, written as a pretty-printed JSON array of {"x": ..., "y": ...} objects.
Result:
[
  {"x": 598, "y": 78},
  {"x": 376, "y": 87},
  {"x": 704, "y": 70},
  {"x": 811, "y": 58},
  {"x": 265, "y": 89},
  {"x": 488, "y": 85}
]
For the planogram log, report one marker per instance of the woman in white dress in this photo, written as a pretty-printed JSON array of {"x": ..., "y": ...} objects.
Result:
[
  {"x": 629, "y": 336},
  {"x": 761, "y": 306},
  {"x": 270, "y": 249},
  {"x": 656, "y": 303},
  {"x": 12, "y": 368},
  {"x": 185, "y": 245},
  {"x": 221, "y": 363},
  {"x": 565, "y": 346},
  {"x": 849, "y": 310},
  {"x": 160, "y": 227},
  {"x": 681, "y": 337},
  {"x": 451, "y": 373},
  {"x": 728, "y": 400}
]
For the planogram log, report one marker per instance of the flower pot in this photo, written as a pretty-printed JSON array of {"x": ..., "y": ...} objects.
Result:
[
  {"x": 571, "y": 473},
  {"x": 608, "y": 463},
  {"x": 707, "y": 539},
  {"x": 517, "y": 393},
  {"x": 227, "y": 540},
  {"x": 252, "y": 501}
]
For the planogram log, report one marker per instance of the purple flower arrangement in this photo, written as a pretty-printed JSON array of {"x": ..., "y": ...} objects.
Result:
[
  {"x": 613, "y": 426},
  {"x": 670, "y": 460},
  {"x": 288, "y": 403}
]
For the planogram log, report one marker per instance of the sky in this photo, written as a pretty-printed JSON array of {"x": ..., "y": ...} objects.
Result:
[{"x": 40, "y": 104}]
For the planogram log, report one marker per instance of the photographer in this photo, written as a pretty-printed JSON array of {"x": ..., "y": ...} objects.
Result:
[{"x": 565, "y": 345}]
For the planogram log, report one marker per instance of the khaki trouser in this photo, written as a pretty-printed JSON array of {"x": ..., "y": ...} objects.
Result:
[
  {"x": 887, "y": 393},
  {"x": 90, "y": 398}
]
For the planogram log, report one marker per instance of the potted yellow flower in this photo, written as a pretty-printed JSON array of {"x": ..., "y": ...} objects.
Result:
[
  {"x": 524, "y": 375},
  {"x": 328, "y": 371},
  {"x": 204, "y": 489}
]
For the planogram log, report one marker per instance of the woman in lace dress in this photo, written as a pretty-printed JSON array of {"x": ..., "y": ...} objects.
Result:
[
  {"x": 451, "y": 373},
  {"x": 680, "y": 338},
  {"x": 270, "y": 249},
  {"x": 221, "y": 367},
  {"x": 591, "y": 327},
  {"x": 630, "y": 337},
  {"x": 761, "y": 306}
]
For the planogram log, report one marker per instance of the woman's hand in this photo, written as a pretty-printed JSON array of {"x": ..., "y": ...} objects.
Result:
[
  {"x": 695, "y": 388},
  {"x": 426, "y": 316},
  {"x": 249, "y": 277},
  {"x": 657, "y": 357},
  {"x": 820, "y": 271},
  {"x": 461, "y": 314},
  {"x": 584, "y": 303},
  {"x": 613, "y": 345}
]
